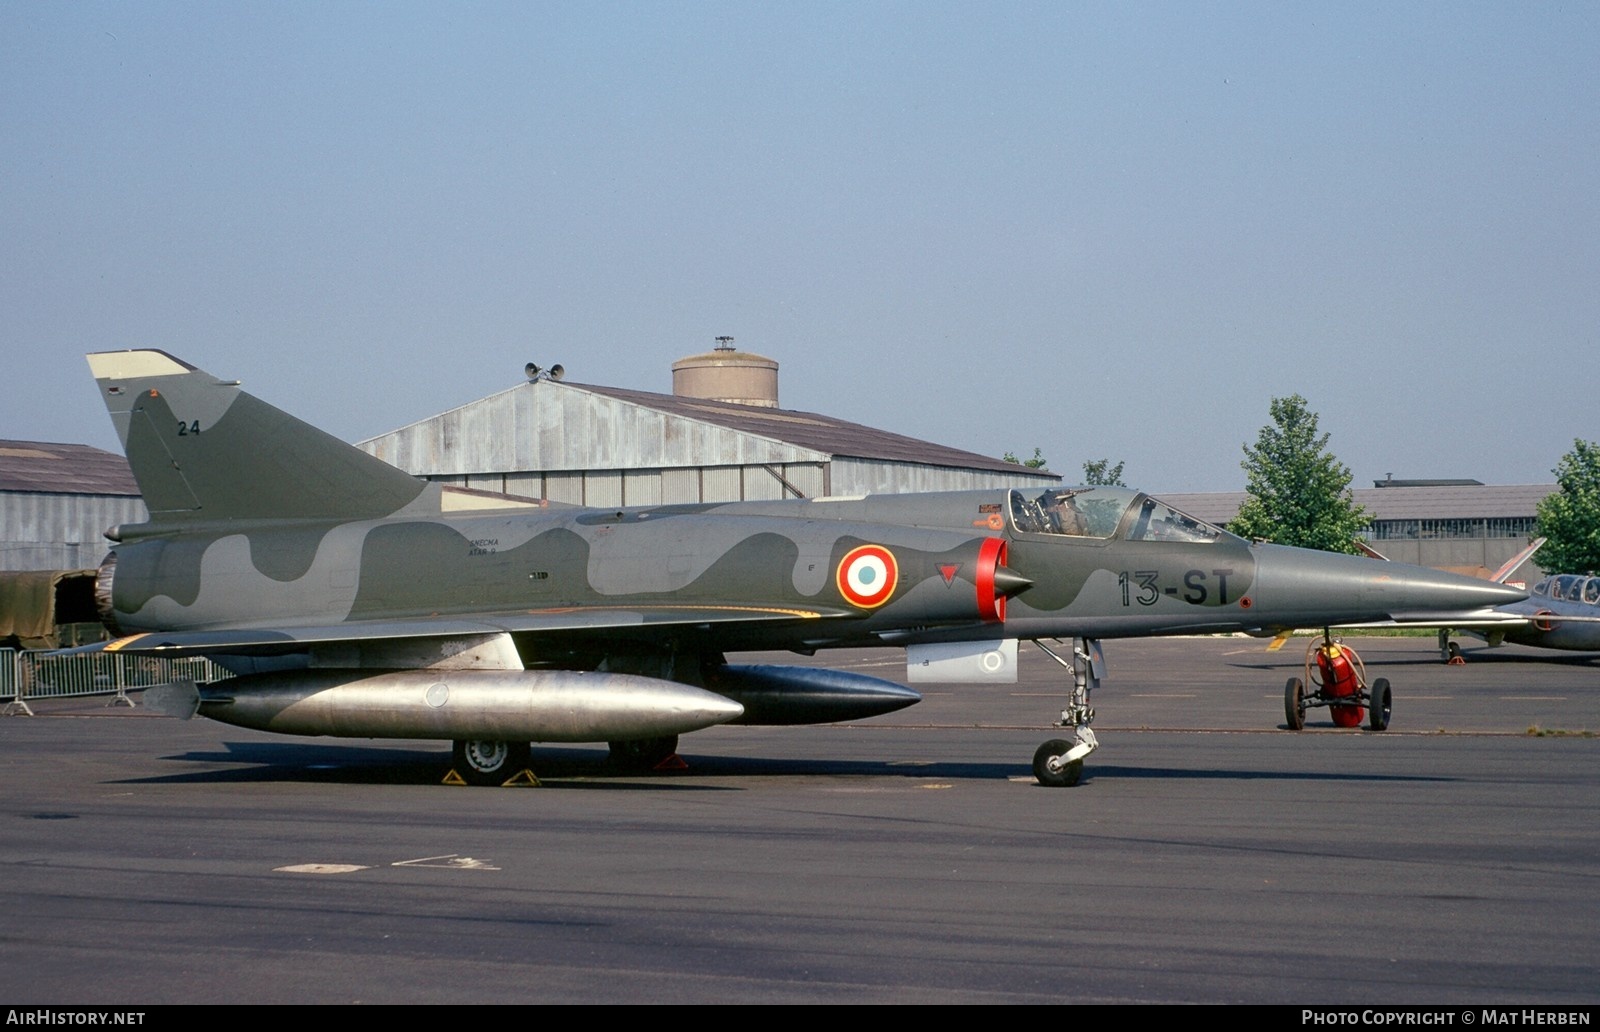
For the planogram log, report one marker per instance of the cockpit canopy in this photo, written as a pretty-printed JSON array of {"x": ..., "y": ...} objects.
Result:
[
  {"x": 1569, "y": 587},
  {"x": 1106, "y": 512}
]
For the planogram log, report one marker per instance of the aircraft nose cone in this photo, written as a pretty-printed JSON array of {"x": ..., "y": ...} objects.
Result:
[{"x": 1305, "y": 588}]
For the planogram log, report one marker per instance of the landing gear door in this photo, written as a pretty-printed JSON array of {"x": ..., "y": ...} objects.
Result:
[{"x": 1097, "y": 658}]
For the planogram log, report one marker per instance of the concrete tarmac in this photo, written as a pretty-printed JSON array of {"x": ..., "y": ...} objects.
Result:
[{"x": 1209, "y": 855}]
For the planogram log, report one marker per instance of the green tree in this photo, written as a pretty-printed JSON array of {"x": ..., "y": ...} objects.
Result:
[
  {"x": 1037, "y": 462},
  {"x": 1102, "y": 473},
  {"x": 1570, "y": 516},
  {"x": 1299, "y": 492}
]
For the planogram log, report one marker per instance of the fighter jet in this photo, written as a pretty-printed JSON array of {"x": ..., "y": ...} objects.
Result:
[
  {"x": 352, "y": 599},
  {"x": 1562, "y": 612}
]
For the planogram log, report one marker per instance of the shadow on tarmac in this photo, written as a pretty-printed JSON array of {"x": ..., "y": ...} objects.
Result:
[{"x": 292, "y": 762}]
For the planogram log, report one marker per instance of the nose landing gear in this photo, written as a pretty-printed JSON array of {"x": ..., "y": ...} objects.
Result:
[{"x": 1058, "y": 763}]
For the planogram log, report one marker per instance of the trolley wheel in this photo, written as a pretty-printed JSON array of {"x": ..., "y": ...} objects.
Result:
[
  {"x": 1380, "y": 706},
  {"x": 1294, "y": 703}
]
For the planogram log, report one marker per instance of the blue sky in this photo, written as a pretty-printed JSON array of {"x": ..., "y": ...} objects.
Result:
[{"x": 1107, "y": 231}]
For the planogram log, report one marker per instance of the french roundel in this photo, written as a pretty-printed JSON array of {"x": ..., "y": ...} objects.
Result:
[{"x": 868, "y": 575}]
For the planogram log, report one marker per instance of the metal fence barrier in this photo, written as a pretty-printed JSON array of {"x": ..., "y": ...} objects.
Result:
[{"x": 28, "y": 675}]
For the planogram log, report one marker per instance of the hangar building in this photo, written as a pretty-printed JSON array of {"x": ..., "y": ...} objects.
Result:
[
  {"x": 56, "y": 502},
  {"x": 720, "y": 436}
]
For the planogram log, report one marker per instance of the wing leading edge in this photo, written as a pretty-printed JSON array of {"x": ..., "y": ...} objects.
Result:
[{"x": 277, "y": 641}]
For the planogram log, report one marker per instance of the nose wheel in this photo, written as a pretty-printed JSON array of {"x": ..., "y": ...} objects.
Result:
[
  {"x": 1052, "y": 769},
  {"x": 1058, "y": 763}
]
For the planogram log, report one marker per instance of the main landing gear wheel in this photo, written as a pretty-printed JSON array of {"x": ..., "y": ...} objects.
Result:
[
  {"x": 1449, "y": 651},
  {"x": 640, "y": 754},
  {"x": 1294, "y": 704},
  {"x": 1380, "y": 706},
  {"x": 489, "y": 762},
  {"x": 1049, "y": 769}
]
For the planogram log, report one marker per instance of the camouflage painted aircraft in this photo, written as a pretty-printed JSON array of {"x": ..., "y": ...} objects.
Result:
[{"x": 352, "y": 599}]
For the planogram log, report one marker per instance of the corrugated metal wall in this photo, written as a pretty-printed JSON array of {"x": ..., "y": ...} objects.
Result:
[
  {"x": 553, "y": 427},
  {"x": 561, "y": 442},
  {"x": 739, "y": 483},
  {"x": 867, "y": 476},
  {"x": 60, "y": 531},
  {"x": 656, "y": 486}
]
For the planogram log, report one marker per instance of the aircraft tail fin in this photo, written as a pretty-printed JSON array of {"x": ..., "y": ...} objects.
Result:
[
  {"x": 1368, "y": 551},
  {"x": 1516, "y": 561},
  {"x": 202, "y": 450}
]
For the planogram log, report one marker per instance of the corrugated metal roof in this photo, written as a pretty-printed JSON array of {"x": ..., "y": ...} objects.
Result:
[
  {"x": 1455, "y": 502},
  {"x": 45, "y": 468},
  {"x": 810, "y": 430},
  {"x": 1488, "y": 501}
]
